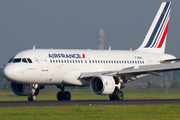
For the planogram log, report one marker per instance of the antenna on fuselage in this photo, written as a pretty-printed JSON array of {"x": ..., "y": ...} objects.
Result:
[
  {"x": 34, "y": 47},
  {"x": 110, "y": 48}
]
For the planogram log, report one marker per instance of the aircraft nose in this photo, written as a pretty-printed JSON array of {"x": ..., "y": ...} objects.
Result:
[{"x": 8, "y": 72}]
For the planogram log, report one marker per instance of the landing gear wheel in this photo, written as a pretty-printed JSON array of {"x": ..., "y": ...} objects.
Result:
[
  {"x": 67, "y": 96},
  {"x": 60, "y": 96},
  {"x": 36, "y": 92},
  {"x": 120, "y": 96},
  {"x": 32, "y": 98},
  {"x": 112, "y": 97}
]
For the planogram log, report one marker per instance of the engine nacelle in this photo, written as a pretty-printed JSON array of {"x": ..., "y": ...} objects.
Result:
[
  {"x": 23, "y": 89},
  {"x": 105, "y": 85},
  {"x": 20, "y": 89}
]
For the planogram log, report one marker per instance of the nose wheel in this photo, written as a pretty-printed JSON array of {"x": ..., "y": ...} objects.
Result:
[
  {"x": 32, "y": 97},
  {"x": 33, "y": 92}
]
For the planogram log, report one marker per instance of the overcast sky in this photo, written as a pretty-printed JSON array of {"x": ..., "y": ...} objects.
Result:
[{"x": 71, "y": 24}]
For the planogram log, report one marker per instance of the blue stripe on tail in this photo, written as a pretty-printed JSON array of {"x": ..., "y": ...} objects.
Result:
[{"x": 157, "y": 26}]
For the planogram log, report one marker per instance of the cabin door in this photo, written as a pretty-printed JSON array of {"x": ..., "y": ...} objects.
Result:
[{"x": 43, "y": 62}]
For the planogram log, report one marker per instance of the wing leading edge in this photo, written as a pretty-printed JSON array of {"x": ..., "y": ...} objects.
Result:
[{"x": 146, "y": 69}]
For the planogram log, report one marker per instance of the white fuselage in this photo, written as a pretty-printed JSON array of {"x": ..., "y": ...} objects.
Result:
[{"x": 59, "y": 66}]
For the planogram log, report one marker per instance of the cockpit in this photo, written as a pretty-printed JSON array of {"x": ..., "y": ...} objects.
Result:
[{"x": 18, "y": 60}]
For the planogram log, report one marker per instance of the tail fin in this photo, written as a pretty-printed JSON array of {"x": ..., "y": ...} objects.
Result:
[{"x": 155, "y": 39}]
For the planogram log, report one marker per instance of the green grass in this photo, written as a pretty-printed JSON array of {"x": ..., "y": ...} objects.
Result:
[
  {"x": 124, "y": 112},
  {"x": 86, "y": 94},
  {"x": 118, "y": 112}
]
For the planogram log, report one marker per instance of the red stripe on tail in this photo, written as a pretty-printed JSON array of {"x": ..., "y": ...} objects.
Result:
[{"x": 163, "y": 36}]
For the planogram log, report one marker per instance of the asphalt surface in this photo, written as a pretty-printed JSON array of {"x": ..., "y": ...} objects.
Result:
[{"x": 87, "y": 102}]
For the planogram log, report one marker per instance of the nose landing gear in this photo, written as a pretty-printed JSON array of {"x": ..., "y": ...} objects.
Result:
[{"x": 33, "y": 92}]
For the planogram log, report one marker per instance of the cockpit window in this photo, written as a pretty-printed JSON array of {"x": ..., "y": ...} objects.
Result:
[
  {"x": 16, "y": 60},
  {"x": 10, "y": 60},
  {"x": 29, "y": 60},
  {"x": 24, "y": 60}
]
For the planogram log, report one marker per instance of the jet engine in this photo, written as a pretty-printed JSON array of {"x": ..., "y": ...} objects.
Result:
[
  {"x": 23, "y": 89},
  {"x": 105, "y": 85}
]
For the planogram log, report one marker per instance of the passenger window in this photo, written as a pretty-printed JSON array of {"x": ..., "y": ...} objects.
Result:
[
  {"x": 17, "y": 60},
  {"x": 111, "y": 61},
  {"x": 95, "y": 61},
  {"x": 89, "y": 61},
  {"x": 120, "y": 62},
  {"x": 24, "y": 60},
  {"x": 114, "y": 61},
  {"x": 67, "y": 61},
  {"x": 56, "y": 61},
  {"x": 117, "y": 61},
  {"x": 128, "y": 62},
  {"x": 59, "y": 61},
  {"x": 53, "y": 61},
  {"x": 29, "y": 60},
  {"x": 85, "y": 61},
  {"x": 50, "y": 61},
  {"x": 81, "y": 61},
  {"x": 62, "y": 61},
  {"x": 70, "y": 61}
]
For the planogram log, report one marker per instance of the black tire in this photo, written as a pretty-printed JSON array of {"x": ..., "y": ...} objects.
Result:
[
  {"x": 60, "y": 96},
  {"x": 67, "y": 96},
  {"x": 112, "y": 97},
  {"x": 32, "y": 97},
  {"x": 120, "y": 95},
  {"x": 29, "y": 98}
]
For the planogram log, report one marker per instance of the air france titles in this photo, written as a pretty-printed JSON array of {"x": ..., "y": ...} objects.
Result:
[{"x": 66, "y": 56}]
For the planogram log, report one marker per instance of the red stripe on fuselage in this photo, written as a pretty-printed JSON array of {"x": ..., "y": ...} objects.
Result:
[
  {"x": 163, "y": 36},
  {"x": 83, "y": 55}
]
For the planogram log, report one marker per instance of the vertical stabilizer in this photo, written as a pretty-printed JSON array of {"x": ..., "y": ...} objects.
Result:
[{"x": 155, "y": 40}]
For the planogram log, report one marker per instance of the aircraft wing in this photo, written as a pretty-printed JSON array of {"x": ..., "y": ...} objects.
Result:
[{"x": 146, "y": 69}]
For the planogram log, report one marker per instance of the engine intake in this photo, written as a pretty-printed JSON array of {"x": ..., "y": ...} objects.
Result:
[
  {"x": 104, "y": 85},
  {"x": 20, "y": 89}
]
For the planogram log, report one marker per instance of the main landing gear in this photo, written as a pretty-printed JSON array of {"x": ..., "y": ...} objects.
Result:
[
  {"x": 63, "y": 95},
  {"x": 33, "y": 92},
  {"x": 116, "y": 96}
]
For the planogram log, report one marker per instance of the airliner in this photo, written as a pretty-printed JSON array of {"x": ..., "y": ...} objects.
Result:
[{"x": 105, "y": 71}]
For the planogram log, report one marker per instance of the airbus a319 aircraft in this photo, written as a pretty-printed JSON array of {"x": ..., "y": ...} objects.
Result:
[{"x": 105, "y": 71}]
